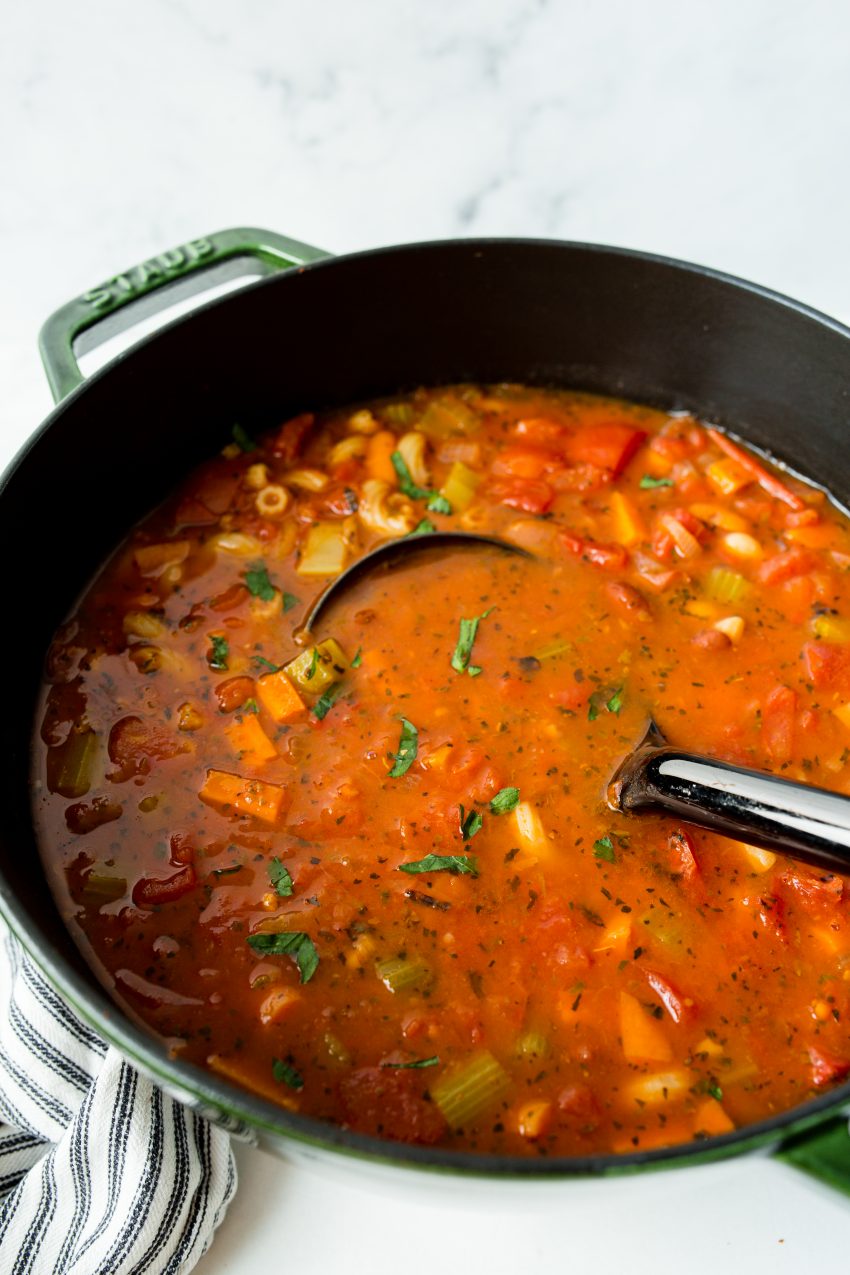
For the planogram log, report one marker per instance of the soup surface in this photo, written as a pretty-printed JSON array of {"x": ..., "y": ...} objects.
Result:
[{"x": 370, "y": 872}]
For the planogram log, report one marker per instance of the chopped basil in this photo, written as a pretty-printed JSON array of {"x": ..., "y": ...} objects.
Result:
[
  {"x": 438, "y": 504},
  {"x": 285, "y": 1074},
  {"x": 648, "y": 483},
  {"x": 261, "y": 659},
  {"x": 465, "y": 642},
  {"x": 405, "y": 479},
  {"x": 417, "y": 1063},
  {"x": 258, "y": 582},
  {"x": 250, "y": 706},
  {"x": 280, "y": 878},
  {"x": 314, "y": 664},
  {"x": 424, "y": 528},
  {"x": 607, "y": 698},
  {"x": 506, "y": 799},
  {"x": 474, "y": 669},
  {"x": 715, "y": 1091},
  {"x": 289, "y": 601},
  {"x": 407, "y": 749},
  {"x": 243, "y": 439},
  {"x": 593, "y": 917},
  {"x": 217, "y": 658},
  {"x": 299, "y": 946},
  {"x": 470, "y": 824},
  {"x": 459, "y": 864},
  {"x": 358, "y": 658},
  {"x": 604, "y": 849},
  {"x": 326, "y": 700}
]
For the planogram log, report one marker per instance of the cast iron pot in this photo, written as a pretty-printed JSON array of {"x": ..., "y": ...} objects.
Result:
[{"x": 321, "y": 332}]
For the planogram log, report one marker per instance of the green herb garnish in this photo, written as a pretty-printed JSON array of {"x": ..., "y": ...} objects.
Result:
[
  {"x": 615, "y": 703},
  {"x": 417, "y": 1063},
  {"x": 648, "y": 483},
  {"x": 261, "y": 659},
  {"x": 459, "y": 864},
  {"x": 285, "y": 1074},
  {"x": 299, "y": 946},
  {"x": 217, "y": 657},
  {"x": 280, "y": 878},
  {"x": 243, "y": 439},
  {"x": 258, "y": 583},
  {"x": 505, "y": 800},
  {"x": 424, "y": 528},
  {"x": 250, "y": 706},
  {"x": 604, "y": 698},
  {"x": 604, "y": 849},
  {"x": 405, "y": 479},
  {"x": 289, "y": 601},
  {"x": 715, "y": 1091},
  {"x": 407, "y": 749},
  {"x": 470, "y": 824},
  {"x": 466, "y": 641},
  {"x": 326, "y": 700},
  {"x": 358, "y": 658},
  {"x": 438, "y": 504}
]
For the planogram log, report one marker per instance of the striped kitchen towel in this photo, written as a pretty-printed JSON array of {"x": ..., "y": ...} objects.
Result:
[{"x": 100, "y": 1172}]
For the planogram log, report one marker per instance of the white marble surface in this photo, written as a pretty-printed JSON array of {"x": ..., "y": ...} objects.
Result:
[{"x": 716, "y": 132}]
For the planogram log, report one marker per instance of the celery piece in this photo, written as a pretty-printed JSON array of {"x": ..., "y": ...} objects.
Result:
[
  {"x": 446, "y": 416},
  {"x": 398, "y": 413},
  {"x": 401, "y": 975},
  {"x": 79, "y": 753},
  {"x": 831, "y": 628},
  {"x": 724, "y": 585},
  {"x": 532, "y": 1044},
  {"x": 99, "y": 885},
  {"x": 470, "y": 1089},
  {"x": 460, "y": 486}
]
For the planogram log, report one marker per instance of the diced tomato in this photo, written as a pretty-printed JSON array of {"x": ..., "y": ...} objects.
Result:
[
  {"x": 182, "y": 850},
  {"x": 777, "y": 723},
  {"x": 336, "y": 501},
  {"x": 579, "y": 1101},
  {"x": 827, "y": 667},
  {"x": 150, "y": 892},
  {"x": 678, "y": 1006},
  {"x": 827, "y": 1068},
  {"x": 529, "y": 494},
  {"x": 771, "y": 913},
  {"x": 390, "y": 1101},
  {"x": 134, "y": 743},
  {"x": 608, "y": 447},
  {"x": 524, "y": 462},
  {"x": 794, "y": 598},
  {"x": 786, "y": 565},
  {"x": 683, "y": 861},
  {"x": 818, "y": 894},
  {"x": 573, "y": 697},
  {"x": 608, "y": 556},
  {"x": 541, "y": 431},
  {"x": 290, "y": 437},
  {"x": 582, "y": 478}
]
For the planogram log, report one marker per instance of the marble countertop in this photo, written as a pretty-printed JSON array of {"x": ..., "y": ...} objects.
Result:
[{"x": 714, "y": 133}]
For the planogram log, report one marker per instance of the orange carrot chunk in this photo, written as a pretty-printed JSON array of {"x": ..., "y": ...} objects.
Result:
[
  {"x": 249, "y": 741},
  {"x": 279, "y": 697},
  {"x": 232, "y": 794}
]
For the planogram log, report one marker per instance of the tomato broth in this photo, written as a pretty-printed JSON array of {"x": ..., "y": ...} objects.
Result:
[{"x": 369, "y": 872}]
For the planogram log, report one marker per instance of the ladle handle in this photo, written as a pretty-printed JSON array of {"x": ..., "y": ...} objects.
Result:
[{"x": 795, "y": 819}]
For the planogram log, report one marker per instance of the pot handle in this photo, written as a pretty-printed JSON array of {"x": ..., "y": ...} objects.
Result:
[
  {"x": 822, "y": 1152},
  {"x": 155, "y": 284}
]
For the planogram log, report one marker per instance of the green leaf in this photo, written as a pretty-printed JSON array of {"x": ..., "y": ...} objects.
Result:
[
  {"x": 438, "y": 504},
  {"x": 299, "y": 946},
  {"x": 327, "y": 699},
  {"x": 261, "y": 659},
  {"x": 280, "y": 878},
  {"x": 470, "y": 823},
  {"x": 289, "y": 601},
  {"x": 716, "y": 1092},
  {"x": 648, "y": 483},
  {"x": 250, "y": 706},
  {"x": 243, "y": 439},
  {"x": 505, "y": 800},
  {"x": 615, "y": 703},
  {"x": 217, "y": 657},
  {"x": 466, "y": 641},
  {"x": 459, "y": 864},
  {"x": 417, "y": 1063},
  {"x": 604, "y": 697},
  {"x": 258, "y": 583},
  {"x": 405, "y": 479},
  {"x": 285, "y": 1074},
  {"x": 474, "y": 670},
  {"x": 407, "y": 749},
  {"x": 424, "y": 528},
  {"x": 604, "y": 849},
  {"x": 358, "y": 658}
]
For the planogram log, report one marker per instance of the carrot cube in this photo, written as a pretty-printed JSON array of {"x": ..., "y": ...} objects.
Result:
[
  {"x": 249, "y": 741},
  {"x": 278, "y": 1005},
  {"x": 378, "y": 462},
  {"x": 534, "y": 1119},
  {"x": 628, "y": 525},
  {"x": 727, "y": 476},
  {"x": 232, "y": 794},
  {"x": 643, "y": 1040},
  {"x": 279, "y": 697},
  {"x": 710, "y": 1117}
]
